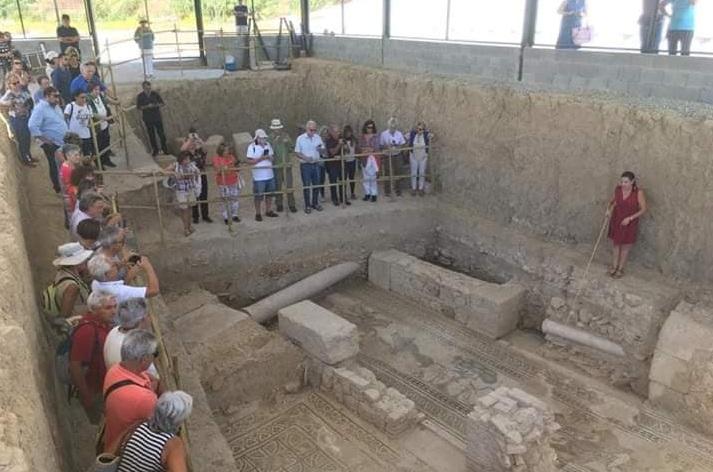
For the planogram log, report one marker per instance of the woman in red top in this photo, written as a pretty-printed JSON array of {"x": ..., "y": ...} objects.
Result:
[
  {"x": 226, "y": 177},
  {"x": 626, "y": 207}
]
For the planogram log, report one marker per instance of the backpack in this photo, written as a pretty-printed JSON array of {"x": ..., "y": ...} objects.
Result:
[
  {"x": 61, "y": 357},
  {"x": 49, "y": 296}
]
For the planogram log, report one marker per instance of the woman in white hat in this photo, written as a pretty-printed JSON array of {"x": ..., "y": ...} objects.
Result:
[
  {"x": 260, "y": 156},
  {"x": 70, "y": 290}
]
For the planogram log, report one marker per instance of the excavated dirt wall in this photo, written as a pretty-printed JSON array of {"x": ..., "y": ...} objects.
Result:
[
  {"x": 29, "y": 431},
  {"x": 542, "y": 162},
  {"x": 242, "y": 102}
]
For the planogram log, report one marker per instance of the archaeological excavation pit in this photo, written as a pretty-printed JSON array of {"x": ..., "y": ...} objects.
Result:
[{"x": 462, "y": 330}]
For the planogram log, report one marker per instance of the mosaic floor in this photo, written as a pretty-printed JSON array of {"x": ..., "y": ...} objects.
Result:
[
  {"x": 444, "y": 368},
  {"x": 311, "y": 434}
]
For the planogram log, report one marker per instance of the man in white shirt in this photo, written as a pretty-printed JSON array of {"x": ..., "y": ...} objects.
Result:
[
  {"x": 79, "y": 117},
  {"x": 131, "y": 315},
  {"x": 260, "y": 155},
  {"x": 108, "y": 274},
  {"x": 307, "y": 148},
  {"x": 391, "y": 141}
]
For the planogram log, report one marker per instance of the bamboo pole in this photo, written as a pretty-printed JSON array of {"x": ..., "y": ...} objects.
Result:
[
  {"x": 178, "y": 49},
  {"x": 95, "y": 142},
  {"x": 341, "y": 181},
  {"x": 158, "y": 208}
]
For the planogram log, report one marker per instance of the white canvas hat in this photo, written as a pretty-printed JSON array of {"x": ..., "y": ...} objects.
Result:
[
  {"x": 51, "y": 55},
  {"x": 276, "y": 124},
  {"x": 71, "y": 254},
  {"x": 260, "y": 133}
]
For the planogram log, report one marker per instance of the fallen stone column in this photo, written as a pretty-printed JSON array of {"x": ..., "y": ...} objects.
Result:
[
  {"x": 510, "y": 430},
  {"x": 552, "y": 328},
  {"x": 267, "y": 308}
]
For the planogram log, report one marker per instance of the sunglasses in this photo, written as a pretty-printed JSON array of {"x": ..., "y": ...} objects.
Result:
[
  {"x": 17, "y": 63},
  {"x": 14, "y": 83},
  {"x": 54, "y": 95},
  {"x": 156, "y": 353}
]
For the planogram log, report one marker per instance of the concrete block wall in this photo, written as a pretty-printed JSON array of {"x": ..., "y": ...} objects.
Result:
[
  {"x": 680, "y": 78},
  {"x": 31, "y": 45},
  {"x": 362, "y": 51},
  {"x": 644, "y": 75},
  {"x": 491, "y": 62}
]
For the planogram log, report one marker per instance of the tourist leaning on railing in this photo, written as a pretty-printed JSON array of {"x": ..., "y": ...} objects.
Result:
[
  {"x": 307, "y": 149},
  {"x": 350, "y": 162},
  {"x": 109, "y": 274},
  {"x": 260, "y": 155},
  {"x": 335, "y": 148},
  {"x": 282, "y": 144},
  {"x": 99, "y": 106},
  {"x": 129, "y": 390},
  {"x": 194, "y": 145},
  {"x": 70, "y": 290},
  {"x": 186, "y": 182},
  {"x": 228, "y": 181},
  {"x": 391, "y": 142},
  {"x": 86, "y": 358},
  {"x": 155, "y": 445},
  {"x": 419, "y": 140}
]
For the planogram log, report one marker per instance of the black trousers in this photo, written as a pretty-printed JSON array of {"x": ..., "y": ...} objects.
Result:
[
  {"x": 153, "y": 129},
  {"x": 675, "y": 37},
  {"x": 203, "y": 196},
  {"x": 49, "y": 150},
  {"x": 350, "y": 173},
  {"x": 334, "y": 171}
]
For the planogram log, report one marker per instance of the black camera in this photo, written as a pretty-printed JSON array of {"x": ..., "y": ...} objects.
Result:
[
  {"x": 134, "y": 259},
  {"x": 266, "y": 152}
]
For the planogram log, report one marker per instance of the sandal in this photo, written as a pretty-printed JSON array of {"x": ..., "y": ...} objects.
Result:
[
  {"x": 612, "y": 270},
  {"x": 618, "y": 274}
]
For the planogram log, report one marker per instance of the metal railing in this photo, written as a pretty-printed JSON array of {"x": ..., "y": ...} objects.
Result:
[{"x": 388, "y": 176}]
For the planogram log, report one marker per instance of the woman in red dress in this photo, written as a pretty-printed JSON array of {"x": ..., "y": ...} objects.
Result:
[{"x": 626, "y": 207}]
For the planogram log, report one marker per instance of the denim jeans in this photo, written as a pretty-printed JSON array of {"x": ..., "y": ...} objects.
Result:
[
  {"x": 310, "y": 177},
  {"x": 22, "y": 136}
]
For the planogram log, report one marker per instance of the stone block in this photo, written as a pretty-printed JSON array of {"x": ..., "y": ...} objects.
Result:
[
  {"x": 489, "y": 308},
  {"x": 670, "y": 371},
  {"x": 508, "y": 439},
  {"x": 211, "y": 144},
  {"x": 324, "y": 335}
]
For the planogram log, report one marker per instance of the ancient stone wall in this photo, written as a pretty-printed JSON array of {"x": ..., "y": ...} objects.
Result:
[
  {"x": 542, "y": 162},
  {"x": 29, "y": 430}
]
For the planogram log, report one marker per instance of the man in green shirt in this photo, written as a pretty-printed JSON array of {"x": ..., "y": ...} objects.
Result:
[{"x": 281, "y": 145}]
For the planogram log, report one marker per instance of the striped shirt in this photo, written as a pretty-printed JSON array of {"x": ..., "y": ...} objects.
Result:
[{"x": 142, "y": 452}]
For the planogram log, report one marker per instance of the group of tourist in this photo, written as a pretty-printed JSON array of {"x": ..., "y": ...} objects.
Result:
[
  {"x": 112, "y": 349},
  {"x": 334, "y": 153},
  {"x": 681, "y": 25}
]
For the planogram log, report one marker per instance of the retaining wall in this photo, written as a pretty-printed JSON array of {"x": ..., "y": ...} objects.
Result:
[
  {"x": 644, "y": 75},
  {"x": 29, "y": 430}
]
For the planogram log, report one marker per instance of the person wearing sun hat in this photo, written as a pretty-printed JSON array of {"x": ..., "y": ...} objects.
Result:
[
  {"x": 71, "y": 291},
  {"x": 282, "y": 144}
]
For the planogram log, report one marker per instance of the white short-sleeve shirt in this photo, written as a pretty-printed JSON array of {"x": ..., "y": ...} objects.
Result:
[
  {"x": 112, "y": 350},
  {"x": 121, "y": 291},
  {"x": 263, "y": 169},
  {"x": 309, "y": 147},
  {"x": 79, "y": 119}
]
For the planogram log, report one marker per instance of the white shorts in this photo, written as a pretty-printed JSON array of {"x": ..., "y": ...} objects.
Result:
[{"x": 185, "y": 199}]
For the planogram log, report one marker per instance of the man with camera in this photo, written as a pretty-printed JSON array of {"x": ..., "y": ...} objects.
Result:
[{"x": 260, "y": 155}]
